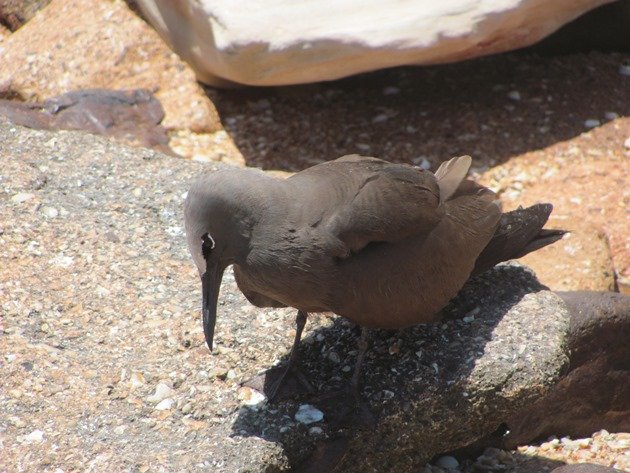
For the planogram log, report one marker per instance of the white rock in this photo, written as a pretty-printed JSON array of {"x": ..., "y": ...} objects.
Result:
[
  {"x": 447, "y": 462},
  {"x": 50, "y": 212},
  {"x": 162, "y": 391},
  {"x": 624, "y": 69},
  {"x": 592, "y": 123},
  {"x": 391, "y": 90},
  {"x": 136, "y": 379},
  {"x": 611, "y": 115},
  {"x": 308, "y": 414},
  {"x": 165, "y": 404},
  {"x": 35, "y": 436},
  {"x": 250, "y": 397},
  {"x": 275, "y": 42},
  {"x": 626, "y": 144},
  {"x": 515, "y": 95},
  {"x": 22, "y": 197}
]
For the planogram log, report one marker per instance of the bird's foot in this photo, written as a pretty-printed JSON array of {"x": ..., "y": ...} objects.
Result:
[{"x": 281, "y": 383}]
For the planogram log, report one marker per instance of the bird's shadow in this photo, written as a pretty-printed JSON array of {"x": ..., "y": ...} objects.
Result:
[{"x": 400, "y": 365}]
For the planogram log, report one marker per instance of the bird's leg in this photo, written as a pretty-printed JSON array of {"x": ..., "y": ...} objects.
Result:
[
  {"x": 345, "y": 405},
  {"x": 363, "y": 344},
  {"x": 300, "y": 322}
]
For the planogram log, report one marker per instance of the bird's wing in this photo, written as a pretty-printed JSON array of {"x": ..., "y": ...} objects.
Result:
[{"x": 385, "y": 202}]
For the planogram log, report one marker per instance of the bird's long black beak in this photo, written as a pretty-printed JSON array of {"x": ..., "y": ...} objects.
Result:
[{"x": 210, "y": 284}]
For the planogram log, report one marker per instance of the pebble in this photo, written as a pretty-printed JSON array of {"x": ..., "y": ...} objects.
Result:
[
  {"x": 315, "y": 430},
  {"x": 136, "y": 379},
  {"x": 35, "y": 436},
  {"x": 162, "y": 391},
  {"x": 22, "y": 197},
  {"x": 249, "y": 396},
  {"x": 334, "y": 357},
  {"x": 514, "y": 95},
  {"x": 591, "y": 123},
  {"x": 624, "y": 69},
  {"x": 308, "y": 414},
  {"x": 611, "y": 115},
  {"x": 447, "y": 462},
  {"x": 391, "y": 90},
  {"x": 50, "y": 212},
  {"x": 120, "y": 429},
  {"x": 165, "y": 404},
  {"x": 380, "y": 118},
  {"x": 626, "y": 144}
]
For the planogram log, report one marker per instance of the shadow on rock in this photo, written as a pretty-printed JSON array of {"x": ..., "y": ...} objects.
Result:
[{"x": 433, "y": 387}]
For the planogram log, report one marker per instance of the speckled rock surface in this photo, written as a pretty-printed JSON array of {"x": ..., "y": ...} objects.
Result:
[{"x": 104, "y": 365}]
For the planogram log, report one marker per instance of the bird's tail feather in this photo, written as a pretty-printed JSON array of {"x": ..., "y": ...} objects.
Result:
[{"x": 519, "y": 232}]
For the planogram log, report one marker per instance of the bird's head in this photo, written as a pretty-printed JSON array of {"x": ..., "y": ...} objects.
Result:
[{"x": 217, "y": 219}]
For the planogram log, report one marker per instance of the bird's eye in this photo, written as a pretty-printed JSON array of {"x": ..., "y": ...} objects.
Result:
[{"x": 207, "y": 245}]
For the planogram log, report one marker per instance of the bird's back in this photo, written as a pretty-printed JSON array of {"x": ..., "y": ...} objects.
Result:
[{"x": 371, "y": 241}]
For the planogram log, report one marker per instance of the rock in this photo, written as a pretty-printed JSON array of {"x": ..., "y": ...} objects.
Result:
[
  {"x": 118, "y": 51},
  {"x": 270, "y": 43},
  {"x": 34, "y": 436},
  {"x": 584, "y": 468},
  {"x": 165, "y": 404},
  {"x": 129, "y": 295},
  {"x": 308, "y": 414},
  {"x": 593, "y": 395},
  {"x": 447, "y": 462},
  {"x": 132, "y": 116},
  {"x": 162, "y": 391}
]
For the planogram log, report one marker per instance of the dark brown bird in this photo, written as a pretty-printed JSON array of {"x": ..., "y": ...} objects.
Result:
[{"x": 384, "y": 245}]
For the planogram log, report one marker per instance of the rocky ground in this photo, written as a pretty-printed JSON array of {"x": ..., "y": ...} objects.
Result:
[{"x": 539, "y": 128}]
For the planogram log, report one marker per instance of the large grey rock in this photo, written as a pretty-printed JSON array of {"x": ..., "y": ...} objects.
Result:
[
  {"x": 100, "y": 302},
  {"x": 593, "y": 394},
  {"x": 274, "y": 42}
]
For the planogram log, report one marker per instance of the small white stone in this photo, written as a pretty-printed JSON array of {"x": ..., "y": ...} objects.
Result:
[
  {"x": 35, "y": 436},
  {"x": 315, "y": 430},
  {"x": 447, "y": 462},
  {"x": 249, "y": 396},
  {"x": 624, "y": 69},
  {"x": 363, "y": 146},
  {"x": 611, "y": 115},
  {"x": 50, "y": 212},
  {"x": 120, "y": 429},
  {"x": 334, "y": 357},
  {"x": 62, "y": 261},
  {"x": 307, "y": 414},
  {"x": 162, "y": 391},
  {"x": 136, "y": 379},
  {"x": 380, "y": 118},
  {"x": 514, "y": 95},
  {"x": 592, "y": 123},
  {"x": 22, "y": 197},
  {"x": 387, "y": 394},
  {"x": 165, "y": 404},
  {"x": 626, "y": 144}
]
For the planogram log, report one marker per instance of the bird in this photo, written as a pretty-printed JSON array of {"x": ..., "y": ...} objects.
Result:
[{"x": 384, "y": 245}]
